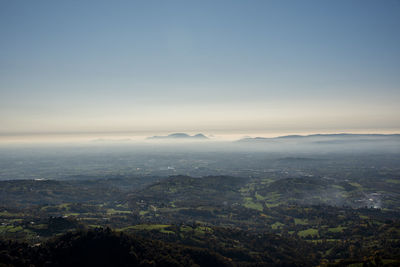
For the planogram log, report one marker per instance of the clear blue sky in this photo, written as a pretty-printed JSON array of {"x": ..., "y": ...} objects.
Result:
[{"x": 87, "y": 66}]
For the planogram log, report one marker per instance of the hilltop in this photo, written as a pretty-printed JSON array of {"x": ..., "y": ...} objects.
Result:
[
  {"x": 325, "y": 137},
  {"x": 184, "y": 136}
]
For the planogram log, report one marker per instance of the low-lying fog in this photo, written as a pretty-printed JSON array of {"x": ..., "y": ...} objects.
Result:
[{"x": 246, "y": 157}]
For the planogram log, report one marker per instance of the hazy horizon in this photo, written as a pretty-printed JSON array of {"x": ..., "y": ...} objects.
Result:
[
  {"x": 140, "y": 137},
  {"x": 229, "y": 69}
]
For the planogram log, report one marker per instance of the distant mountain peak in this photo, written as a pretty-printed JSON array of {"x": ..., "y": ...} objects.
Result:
[
  {"x": 337, "y": 136},
  {"x": 180, "y": 136},
  {"x": 200, "y": 135}
]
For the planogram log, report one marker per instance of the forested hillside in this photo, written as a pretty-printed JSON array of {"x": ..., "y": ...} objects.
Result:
[{"x": 301, "y": 221}]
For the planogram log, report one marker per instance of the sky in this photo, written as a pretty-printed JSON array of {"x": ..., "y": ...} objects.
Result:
[{"x": 199, "y": 66}]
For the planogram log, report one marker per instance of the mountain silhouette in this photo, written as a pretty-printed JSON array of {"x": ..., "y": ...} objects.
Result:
[{"x": 185, "y": 136}]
